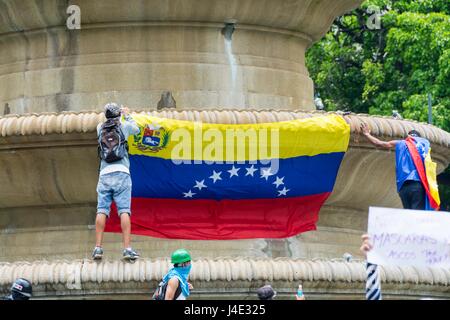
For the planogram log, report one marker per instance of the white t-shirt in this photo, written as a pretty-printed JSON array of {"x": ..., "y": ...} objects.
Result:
[{"x": 181, "y": 297}]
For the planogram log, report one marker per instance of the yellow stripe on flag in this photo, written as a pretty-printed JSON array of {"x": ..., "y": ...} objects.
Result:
[
  {"x": 430, "y": 168},
  {"x": 176, "y": 139}
]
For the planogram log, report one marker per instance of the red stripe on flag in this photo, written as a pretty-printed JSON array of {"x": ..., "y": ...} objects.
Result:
[
  {"x": 418, "y": 163},
  {"x": 221, "y": 220}
]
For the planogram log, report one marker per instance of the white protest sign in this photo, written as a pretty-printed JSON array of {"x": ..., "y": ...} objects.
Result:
[{"x": 409, "y": 237}]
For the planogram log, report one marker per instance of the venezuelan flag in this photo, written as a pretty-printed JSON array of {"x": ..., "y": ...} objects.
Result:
[
  {"x": 426, "y": 169},
  {"x": 220, "y": 181}
]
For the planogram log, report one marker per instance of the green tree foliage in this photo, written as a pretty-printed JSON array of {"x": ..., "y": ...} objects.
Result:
[{"x": 365, "y": 67}]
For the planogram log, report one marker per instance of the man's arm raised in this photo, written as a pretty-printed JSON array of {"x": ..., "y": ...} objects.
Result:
[
  {"x": 377, "y": 142},
  {"x": 130, "y": 123}
]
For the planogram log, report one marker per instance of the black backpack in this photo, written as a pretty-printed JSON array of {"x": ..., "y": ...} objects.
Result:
[
  {"x": 112, "y": 145},
  {"x": 160, "y": 292}
]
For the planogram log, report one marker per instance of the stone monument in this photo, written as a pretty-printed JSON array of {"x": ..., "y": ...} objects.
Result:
[{"x": 235, "y": 61}]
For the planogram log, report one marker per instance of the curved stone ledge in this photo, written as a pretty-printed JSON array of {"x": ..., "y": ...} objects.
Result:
[
  {"x": 86, "y": 275},
  {"x": 74, "y": 273},
  {"x": 59, "y": 190},
  {"x": 84, "y": 122},
  {"x": 44, "y": 66},
  {"x": 314, "y": 18}
]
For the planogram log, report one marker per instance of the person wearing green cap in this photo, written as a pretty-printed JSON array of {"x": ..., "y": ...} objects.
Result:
[{"x": 177, "y": 277}]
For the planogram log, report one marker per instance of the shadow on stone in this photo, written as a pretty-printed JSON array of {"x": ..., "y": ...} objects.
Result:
[
  {"x": 7, "y": 110},
  {"x": 166, "y": 101}
]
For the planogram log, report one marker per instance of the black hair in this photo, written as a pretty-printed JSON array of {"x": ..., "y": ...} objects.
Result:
[
  {"x": 266, "y": 293},
  {"x": 414, "y": 133},
  {"x": 112, "y": 111},
  {"x": 176, "y": 265}
]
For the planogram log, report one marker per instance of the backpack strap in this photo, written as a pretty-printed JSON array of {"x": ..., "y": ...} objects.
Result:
[
  {"x": 122, "y": 136},
  {"x": 164, "y": 286},
  {"x": 177, "y": 292},
  {"x": 99, "y": 137}
]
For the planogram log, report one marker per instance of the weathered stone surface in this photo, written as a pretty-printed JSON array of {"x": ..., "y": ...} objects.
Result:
[
  {"x": 234, "y": 277},
  {"x": 131, "y": 51},
  {"x": 131, "y": 54},
  {"x": 50, "y": 172},
  {"x": 166, "y": 101}
]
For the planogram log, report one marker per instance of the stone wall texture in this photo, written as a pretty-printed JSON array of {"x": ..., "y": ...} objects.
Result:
[
  {"x": 54, "y": 82},
  {"x": 133, "y": 50}
]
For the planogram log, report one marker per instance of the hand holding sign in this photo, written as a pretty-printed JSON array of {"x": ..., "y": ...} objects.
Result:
[
  {"x": 366, "y": 245},
  {"x": 408, "y": 238}
]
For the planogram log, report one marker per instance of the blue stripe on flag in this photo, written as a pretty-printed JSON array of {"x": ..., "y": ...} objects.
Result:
[{"x": 300, "y": 176}]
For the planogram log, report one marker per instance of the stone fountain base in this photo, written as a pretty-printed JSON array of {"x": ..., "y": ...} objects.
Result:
[
  {"x": 48, "y": 208},
  {"x": 222, "y": 278}
]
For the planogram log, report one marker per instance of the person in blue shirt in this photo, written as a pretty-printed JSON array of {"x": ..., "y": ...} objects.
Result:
[
  {"x": 178, "y": 287},
  {"x": 409, "y": 186}
]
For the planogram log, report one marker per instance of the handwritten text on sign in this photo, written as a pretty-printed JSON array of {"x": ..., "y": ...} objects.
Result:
[{"x": 409, "y": 237}]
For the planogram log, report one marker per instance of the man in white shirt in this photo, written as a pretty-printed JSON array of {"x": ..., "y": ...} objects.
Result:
[{"x": 114, "y": 181}]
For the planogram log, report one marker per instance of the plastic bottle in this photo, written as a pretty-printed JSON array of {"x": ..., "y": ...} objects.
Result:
[{"x": 300, "y": 291}]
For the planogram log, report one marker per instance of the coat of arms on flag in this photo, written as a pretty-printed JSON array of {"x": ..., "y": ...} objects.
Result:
[{"x": 152, "y": 138}]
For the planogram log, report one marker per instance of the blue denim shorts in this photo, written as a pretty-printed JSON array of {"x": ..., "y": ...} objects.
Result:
[{"x": 114, "y": 186}]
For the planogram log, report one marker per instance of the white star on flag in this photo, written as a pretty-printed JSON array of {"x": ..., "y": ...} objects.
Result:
[
  {"x": 283, "y": 192},
  {"x": 216, "y": 176},
  {"x": 200, "y": 185},
  {"x": 266, "y": 173},
  {"x": 279, "y": 182},
  {"x": 189, "y": 194},
  {"x": 234, "y": 172},
  {"x": 250, "y": 171}
]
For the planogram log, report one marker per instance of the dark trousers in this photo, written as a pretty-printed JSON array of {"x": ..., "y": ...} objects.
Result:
[{"x": 412, "y": 194}]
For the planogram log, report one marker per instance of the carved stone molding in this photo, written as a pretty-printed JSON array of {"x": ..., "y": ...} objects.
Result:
[{"x": 210, "y": 276}]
